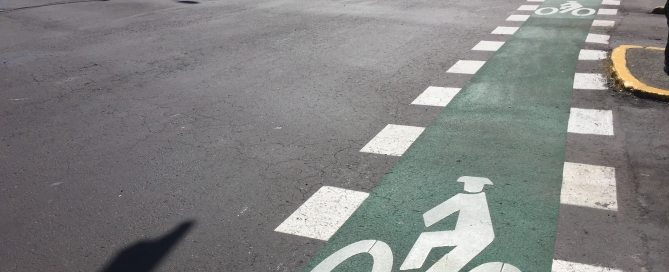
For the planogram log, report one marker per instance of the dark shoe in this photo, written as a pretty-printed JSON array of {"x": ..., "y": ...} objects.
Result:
[{"x": 666, "y": 70}]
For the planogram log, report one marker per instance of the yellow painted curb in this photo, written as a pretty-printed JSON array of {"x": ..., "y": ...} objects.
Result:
[{"x": 624, "y": 78}]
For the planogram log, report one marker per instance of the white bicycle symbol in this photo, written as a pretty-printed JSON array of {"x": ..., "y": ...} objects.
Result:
[
  {"x": 472, "y": 234},
  {"x": 575, "y": 7}
]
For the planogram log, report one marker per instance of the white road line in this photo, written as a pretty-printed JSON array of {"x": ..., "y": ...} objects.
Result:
[
  {"x": 323, "y": 213},
  {"x": 611, "y": 2},
  {"x": 586, "y": 54},
  {"x": 504, "y": 30},
  {"x": 436, "y": 96},
  {"x": 604, "y": 23},
  {"x": 588, "y": 81},
  {"x": 528, "y": 7},
  {"x": 535, "y": 0},
  {"x": 518, "y": 18},
  {"x": 590, "y": 121},
  {"x": 590, "y": 186},
  {"x": 488, "y": 46},
  {"x": 393, "y": 140},
  {"x": 597, "y": 38},
  {"x": 466, "y": 67},
  {"x": 603, "y": 11},
  {"x": 565, "y": 266}
]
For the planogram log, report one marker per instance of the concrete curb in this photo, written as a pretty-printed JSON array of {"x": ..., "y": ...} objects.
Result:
[{"x": 627, "y": 81}]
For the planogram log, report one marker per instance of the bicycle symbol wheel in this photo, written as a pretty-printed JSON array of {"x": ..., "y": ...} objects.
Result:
[
  {"x": 546, "y": 11},
  {"x": 588, "y": 12},
  {"x": 575, "y": 12},
  {"x": 381, "y": 254}
]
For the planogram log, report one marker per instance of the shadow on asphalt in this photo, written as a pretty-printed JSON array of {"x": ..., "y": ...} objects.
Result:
[
  {"x": 145, "y": 255},
  {"x": 51, "y": 4},
  {"x": 187, "y": 2}
]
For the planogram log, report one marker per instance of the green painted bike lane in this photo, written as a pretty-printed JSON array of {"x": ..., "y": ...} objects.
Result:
[{"x": 509, "y": 125}]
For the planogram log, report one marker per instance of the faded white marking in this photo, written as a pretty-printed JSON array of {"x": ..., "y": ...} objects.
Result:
[
  {"x": 323, "y": 213},
  {"x": 436, "y": 96},
  {"x": 565, "y": 266},
  {"x": 604, "y": 23},
  {"x": 535, "y": 0},
  {"x": 19, "y": 99},
  {"x": 466, "y": 67},
  {"x": 611, "y": 2},
  {"x": 587, "y": 54},
  {"x": 587, "y": 81},
  {"x": 597, "y": 38},
  {"x": 488, "y": 46},
  {"x": 518, "y": 18},
  {"x": 590, "y": 186},
  {"x": 393, "y": 140},
  {"x": 590, "y": 121},
  {"x": 505, "y": 30},
  {"x": 528, "y": 7},
  {"x": 603, "y": 11}
]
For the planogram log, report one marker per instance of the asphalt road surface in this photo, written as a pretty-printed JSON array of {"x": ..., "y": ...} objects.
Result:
[{"x": 177, "y": 136}]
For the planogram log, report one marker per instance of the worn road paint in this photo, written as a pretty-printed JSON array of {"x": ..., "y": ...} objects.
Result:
[
  {"x": 393, "y": 140},
  {"x": 518, "y": 18},
  {"x": 535, "y": 0},
  {"x": 603, "y": 23},
  {"x": 591, "y": 121},
  {"x": 466, "y": 67},
  {"x": 604, "y": 11},
  {"x": 436, "y": 96},
  {"x": 505, "y": 30},
  {"x": 487, "y": 46},
  {"x": 565, "y": 266},
  {"x": 597, "y": 38},
  {"x": 323, "y": 213},
  {"x": 589, "y": 81},
  {"x": 587, "y": 54},
  {"x": 590, "y": 186},
  {"x": 509, "y": 124}
]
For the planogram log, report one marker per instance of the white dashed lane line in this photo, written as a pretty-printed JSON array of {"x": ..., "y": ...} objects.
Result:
[
  {"x": 565, "y": 266},
  {"x": 466, "y": 67},
  {"x": 528, "y": 7},
  {"x": 393, "y": 140},
  {"x": 611, "y": 2},
  {"x": 488, "y": 46},
  {"x": 587, "y": 54},
  {"x": 505, "y": 30},
  {"x": 597, "y": 38},
  {"x": 590, "y": 186},
  {"x": 603, "y": 23},
  {"x": 604, "y": 11},
  {"x": 590, "y": 121},
  {"x": 323, "y": 213},
  {"x": 589, "y": 81},
  {"x": 436, "y": 96},
  {"x": 518, "y": 18}
]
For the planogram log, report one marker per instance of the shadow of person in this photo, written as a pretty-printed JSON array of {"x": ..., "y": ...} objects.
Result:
[{"x": 145, "y": 255}]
